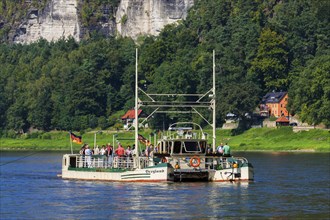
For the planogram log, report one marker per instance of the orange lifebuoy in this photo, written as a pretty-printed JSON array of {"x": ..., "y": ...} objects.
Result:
[
  {"x": 195, "y": 161},
  {"x": 164, "y": 160}
]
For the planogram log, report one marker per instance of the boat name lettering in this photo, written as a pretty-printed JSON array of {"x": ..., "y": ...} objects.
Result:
[{"x": 154, "y": 171}]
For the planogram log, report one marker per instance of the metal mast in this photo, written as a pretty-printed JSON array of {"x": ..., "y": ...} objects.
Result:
[
  {"x": 136, "y": 123},
  {"x": 161, "y": 103},
  {"x": 213, "y": 104}
]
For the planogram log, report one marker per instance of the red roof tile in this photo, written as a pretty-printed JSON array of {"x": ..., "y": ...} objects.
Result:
[
  {"x": 282, "y": 119},
  {"x": 130, "y": 114}
]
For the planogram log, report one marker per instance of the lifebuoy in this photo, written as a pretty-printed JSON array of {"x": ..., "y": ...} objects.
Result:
[
  {"x": 195, "y": 161},
  {"x": 164, "y": 160}
]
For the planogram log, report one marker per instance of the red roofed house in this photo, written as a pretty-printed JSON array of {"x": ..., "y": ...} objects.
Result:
[
  {"x": 274, "y": 104},
  {"x": 282, "y": 121},
  {"x": 129, "y": 117}
]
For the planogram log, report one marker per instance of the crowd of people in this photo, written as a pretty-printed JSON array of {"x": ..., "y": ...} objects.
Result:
[
  {"x": 223, "y": 150},
  {"x": 106, "y": 150},
  {"x": 120, "y": 152},
  {"x": 109, "y": 151}
]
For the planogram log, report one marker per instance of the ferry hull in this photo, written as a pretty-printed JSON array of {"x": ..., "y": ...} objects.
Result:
[
  {"x": 144, "y": 175},
  {"x": 73, "y": 168},
  {"x": 232, "y": 174},
  {"x": 158, "y": 173}
]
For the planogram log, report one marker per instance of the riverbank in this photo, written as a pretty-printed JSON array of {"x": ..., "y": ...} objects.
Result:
[{"x": 255, "y": 139}]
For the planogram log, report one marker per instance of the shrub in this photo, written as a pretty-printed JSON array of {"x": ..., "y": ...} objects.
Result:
[
  {"x": 46, "y": 136},
  {"x": 10, "y": 134}
]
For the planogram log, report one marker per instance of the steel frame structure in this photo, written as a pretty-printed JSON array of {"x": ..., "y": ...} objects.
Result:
[{"x": 167, "y": 106}]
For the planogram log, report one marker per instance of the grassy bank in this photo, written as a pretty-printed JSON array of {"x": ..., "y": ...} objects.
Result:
[
  {"x": 280, "y": 139},
  {"x": 272, "y": 139}
]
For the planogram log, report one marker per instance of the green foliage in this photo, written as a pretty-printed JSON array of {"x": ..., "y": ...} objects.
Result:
[
  {"x": 310, "y": 92},
  {"x": 270, "y": 66},
  {"x": 13, "y": 11},
  {"x": 92, "y": 13},
  {"x": 260, "y": 46},
  {"x": 62, "y": 85},
  {"x": 103, "y": 123},
  {"x": 264, "y": 139}
]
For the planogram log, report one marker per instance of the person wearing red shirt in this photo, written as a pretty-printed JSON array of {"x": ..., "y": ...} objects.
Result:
[{"x": 120, "y": 150}]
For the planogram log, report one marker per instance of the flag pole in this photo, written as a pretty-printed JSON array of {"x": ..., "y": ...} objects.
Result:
[{"x": 70, "y": 142}]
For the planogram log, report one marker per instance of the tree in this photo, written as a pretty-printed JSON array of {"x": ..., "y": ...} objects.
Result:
[
  {"x": 40, "y": 104},
  {"x": 238, "y": 98},
  {"x": 310, "y": 92},
  {"x": 270, "y": 67}
]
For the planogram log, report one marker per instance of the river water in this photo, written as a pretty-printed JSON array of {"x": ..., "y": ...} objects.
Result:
[{"x": 286, "y": 186}]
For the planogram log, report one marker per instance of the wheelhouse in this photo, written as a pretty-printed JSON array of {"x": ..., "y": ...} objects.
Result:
[{"x": 182, "y": 147}]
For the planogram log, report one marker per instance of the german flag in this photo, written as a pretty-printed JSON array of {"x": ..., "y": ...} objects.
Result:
[
  {"x": 143, "y": 140},
  {"x": 75, "y": 138}
]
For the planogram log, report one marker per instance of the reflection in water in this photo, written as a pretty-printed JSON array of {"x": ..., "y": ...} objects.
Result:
[{"x": 286, "y": 186}]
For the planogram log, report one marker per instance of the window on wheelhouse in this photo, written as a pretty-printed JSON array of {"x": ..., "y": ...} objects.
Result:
[
  {"x": 164, "y": 146},
  {"x": 202, "y": 144},
  {"x": 177, "y": 147},
  {"x": 191, "y": 147}
]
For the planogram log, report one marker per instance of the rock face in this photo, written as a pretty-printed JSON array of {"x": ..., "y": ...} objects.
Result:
[
  {"x": 148, "y": 17},
  {"x": 59, "y": 19},
  {"x": 133, "y": 18}
]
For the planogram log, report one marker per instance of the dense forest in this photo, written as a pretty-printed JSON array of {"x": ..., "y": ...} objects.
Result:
[{"x": 260, "y": 45}]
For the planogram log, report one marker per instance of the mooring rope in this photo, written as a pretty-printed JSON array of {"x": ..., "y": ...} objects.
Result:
[{"x": 21, "y": 158}]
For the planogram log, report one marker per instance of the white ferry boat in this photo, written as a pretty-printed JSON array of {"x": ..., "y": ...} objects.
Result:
[{"x": 181, "y": 154}]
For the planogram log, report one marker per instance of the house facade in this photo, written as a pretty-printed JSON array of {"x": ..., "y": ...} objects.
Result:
[
  {"x": 274, "y": 104},
  {"x": 129, "y": 117}
]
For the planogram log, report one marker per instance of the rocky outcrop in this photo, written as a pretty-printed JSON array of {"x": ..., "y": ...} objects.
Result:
[
  {"x": 148, "y": 17},
  {"x": 59, "y": 19}
]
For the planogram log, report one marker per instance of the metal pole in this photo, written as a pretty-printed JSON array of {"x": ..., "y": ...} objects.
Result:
[
  {"x": 95, "y": 140},
  {"x": 136, "y": 107},
  {"x": 213, "y": 103},
  {"x": 155, "y": 140},
  {"x": 71, "y": 143}
]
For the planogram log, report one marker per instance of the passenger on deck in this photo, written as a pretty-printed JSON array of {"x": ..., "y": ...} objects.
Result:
[
  {"x": 208, "y": 149},
  {"x": 209, "y": 161},
  {"x": 108, "y": 151},
  {"x": 120, "y": 151},
  {"x": 149, "y": 151},
  {"x": 82, "y": 150},
  {"x": 128, "y": 151},
  {"x": 82, "y": 153},
  {"x": 220, "y": 149},
  {"x": 102, "y": 151},
  {"x": 133, "y": 150},
  {"x": 88, "y": 156},
  {"x": 226, "y": 150},
  {"x": 156, "y": 150},
  {"x": 96, "y": 150}
]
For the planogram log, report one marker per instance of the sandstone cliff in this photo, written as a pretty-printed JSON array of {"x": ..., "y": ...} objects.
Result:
[
  {"x": 142, "y": 17},
  {"x": 58, "y": 19},
  {"x": 61, "y": 18}
]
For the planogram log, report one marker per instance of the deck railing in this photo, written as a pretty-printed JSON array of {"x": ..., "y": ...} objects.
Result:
[
  {"x": 101, "y": 161},
  {"x": 209, "y": 162}
]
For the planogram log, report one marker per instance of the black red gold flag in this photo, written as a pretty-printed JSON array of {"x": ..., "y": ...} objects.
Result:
[{"x": 75, "y": 138}]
